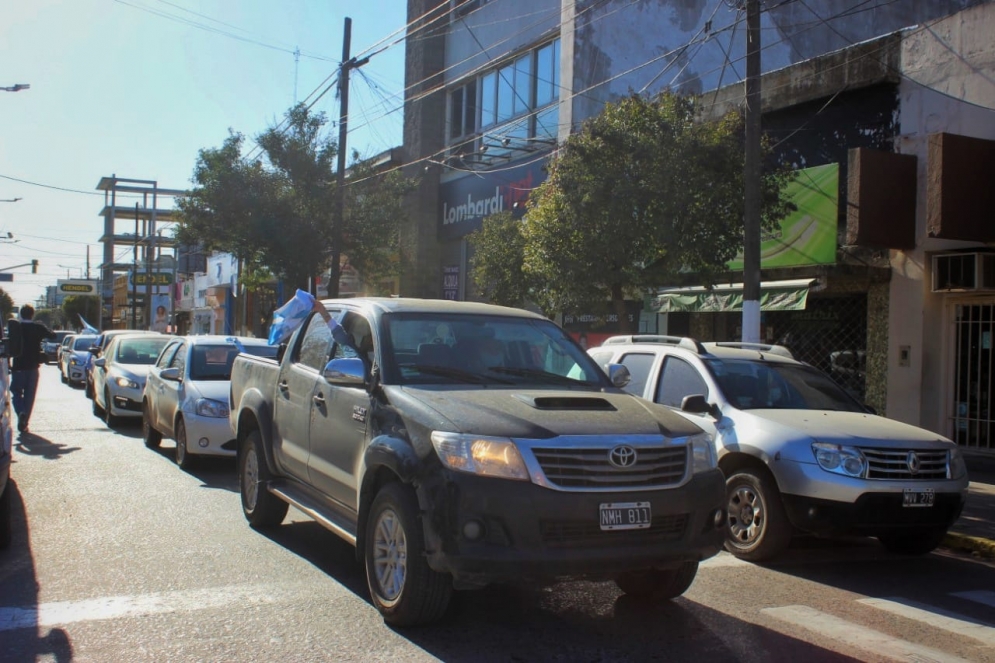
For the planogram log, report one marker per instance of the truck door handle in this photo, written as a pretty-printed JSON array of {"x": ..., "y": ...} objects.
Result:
[
  {"x": 319, "y": 400},
  {"x": 283, "y": 385}
]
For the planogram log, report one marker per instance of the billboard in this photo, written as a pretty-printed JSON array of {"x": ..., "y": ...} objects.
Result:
[{"x": 77, "y": 287}]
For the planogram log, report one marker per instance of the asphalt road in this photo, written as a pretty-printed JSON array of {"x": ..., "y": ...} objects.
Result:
[{"x": 120, "y": 556}]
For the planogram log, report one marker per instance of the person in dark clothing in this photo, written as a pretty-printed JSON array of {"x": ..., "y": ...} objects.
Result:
[{"x": 24, "y": 372}]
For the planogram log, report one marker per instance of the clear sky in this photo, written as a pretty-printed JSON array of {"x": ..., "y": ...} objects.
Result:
[{"x": 135, "y": 88}]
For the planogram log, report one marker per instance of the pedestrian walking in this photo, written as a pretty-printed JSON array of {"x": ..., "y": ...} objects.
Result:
[{"x": 24, "y": 372}]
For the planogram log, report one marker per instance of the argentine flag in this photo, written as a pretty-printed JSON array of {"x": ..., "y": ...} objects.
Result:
[
  {"x": 292, "y": 315},
  {"x": 87, "y": 327}
]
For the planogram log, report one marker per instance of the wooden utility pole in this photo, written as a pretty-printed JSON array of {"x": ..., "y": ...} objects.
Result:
[
  {"x": 751, "y": 203},
  {"x": 348, "y": 63}
]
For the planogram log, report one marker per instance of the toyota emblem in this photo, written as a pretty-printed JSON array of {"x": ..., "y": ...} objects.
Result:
[
  {"x": 912, "y": 460},
  {"x": 622, "y": 456}
]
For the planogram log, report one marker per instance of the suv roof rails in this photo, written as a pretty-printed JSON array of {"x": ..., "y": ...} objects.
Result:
[
  {"x": 779, "y": 350},
  {"x": 685, "y": 342}
]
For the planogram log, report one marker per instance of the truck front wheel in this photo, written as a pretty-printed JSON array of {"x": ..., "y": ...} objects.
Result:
[
  {"x": 261, "y": 507},
  {"x": 658, "y": 584},
  {"x": 405, "y": 590}
]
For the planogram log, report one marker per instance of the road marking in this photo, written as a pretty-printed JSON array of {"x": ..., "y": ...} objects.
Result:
[
  {"x": 723, "y": 559},
  {"x": 855, "y": 635},
  {"x": 948, "y": 621},
  {"x": 984, "y": 596},
  {"x": 115, "y": 607}
]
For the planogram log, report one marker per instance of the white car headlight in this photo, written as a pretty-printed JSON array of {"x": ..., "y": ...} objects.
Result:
[
  {"x": 477, "y": 454},
  {"x": 208, "y": 408},
  {"x": 958, "y": 468},
  {"x": 74, "y": 361},
  {"x": 702, "y": 452},
  {"x": 126, "y": 383},
  {"x": 848, "y": 461}
]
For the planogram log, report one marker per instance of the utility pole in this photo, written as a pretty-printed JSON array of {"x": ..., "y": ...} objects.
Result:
[
  {"x": 134, "y": 276},
  {"x": 348, "y": 63},
  {"x": 751, "y": 202}
]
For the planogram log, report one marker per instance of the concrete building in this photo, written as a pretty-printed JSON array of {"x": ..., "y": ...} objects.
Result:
[{"x": 893, "y": 101}]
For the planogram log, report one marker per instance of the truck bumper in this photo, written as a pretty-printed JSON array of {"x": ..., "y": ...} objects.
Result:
[{"x": 483, "y": 530}]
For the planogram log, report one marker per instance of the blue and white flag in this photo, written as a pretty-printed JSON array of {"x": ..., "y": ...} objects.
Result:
[
  {"x": 292, "y": 315},
  {"x": 87, "y": 327}
]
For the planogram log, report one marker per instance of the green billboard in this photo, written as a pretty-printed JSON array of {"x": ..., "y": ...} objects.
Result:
[{"x": 806, "y": 236}]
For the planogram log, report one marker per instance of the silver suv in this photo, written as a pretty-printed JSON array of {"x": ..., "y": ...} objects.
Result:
[{"x": 798, "y": 453}]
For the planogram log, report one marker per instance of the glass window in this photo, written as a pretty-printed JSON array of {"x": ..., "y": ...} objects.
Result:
[
  {"x": 506, "y": 93},
  {"x": 316, "y": 344},
  {"x": 139, "y": 351},
  {"x": 456, "y": 112},
  {"x": 470, "y": 108},
  {"x": 548, "y": 123},
  {"x": 639, "y": 365},
  {"x": 545, "y": 90},
  {"x": 179, "y": 360},
  {"x": 677, "y": 380},
  {"x": 749, "y": 384},
  {"x": 523, "y": 84},
  {"x": 83, "y": 342},
  {"x": 488, "y": 99},
  {"x": 167, "y": 355}
]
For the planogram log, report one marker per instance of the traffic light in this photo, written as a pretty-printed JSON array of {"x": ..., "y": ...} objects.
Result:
[{"x": 34, "y": 266}]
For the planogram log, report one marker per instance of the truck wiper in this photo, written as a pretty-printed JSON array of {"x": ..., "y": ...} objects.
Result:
[
  {"x": 539, "y": 374},
  {"x": 456, "y": 373}
]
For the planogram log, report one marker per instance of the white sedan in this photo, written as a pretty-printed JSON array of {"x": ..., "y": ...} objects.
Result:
[
  {"x": 119, "y": 375},
  {"x": 186, "y": 395}
]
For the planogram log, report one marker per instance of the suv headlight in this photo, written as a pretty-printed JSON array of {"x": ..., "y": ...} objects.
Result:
[
  {"x": 848, "y": 461},
  {"x": 208, "y": 408},
  {"x": 702, "y": 452},
  {"x": 478, "y": 454},
  {"x": 958, "y": 468},
  {"x": 126, "y": 383}
]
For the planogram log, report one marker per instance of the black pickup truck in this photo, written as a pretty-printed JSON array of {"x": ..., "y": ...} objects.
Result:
[{"x": 457, "y": 444}]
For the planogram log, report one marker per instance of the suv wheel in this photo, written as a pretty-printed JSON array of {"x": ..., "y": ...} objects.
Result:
[
  {"x": 757, "y": 527},
  {"x": 261, "y": 507},
  {"x": 405, "y": 590},
  {"x": 658, "y": 584}
]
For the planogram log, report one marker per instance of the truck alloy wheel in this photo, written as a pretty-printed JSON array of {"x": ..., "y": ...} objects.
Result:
[{"x": 260, "y": 507}]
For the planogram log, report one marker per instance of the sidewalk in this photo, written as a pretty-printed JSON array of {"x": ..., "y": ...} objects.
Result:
[{"x": 974, "y": 531}]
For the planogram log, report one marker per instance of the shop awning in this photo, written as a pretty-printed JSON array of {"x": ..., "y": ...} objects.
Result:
[{"x": 790, "y": 295}]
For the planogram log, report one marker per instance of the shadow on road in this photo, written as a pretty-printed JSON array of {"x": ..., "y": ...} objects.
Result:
[
  {"x": 36, "y": 445},
  {"x": 24, "y": 639}
]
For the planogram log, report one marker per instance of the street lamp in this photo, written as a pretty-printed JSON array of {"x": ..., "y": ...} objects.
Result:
[{"x": 17, "y": 87}]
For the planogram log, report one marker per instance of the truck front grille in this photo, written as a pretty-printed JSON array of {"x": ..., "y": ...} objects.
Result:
[
  {"x": 574, "y": 534},
  {"x": 654, "y": 467},
  {"x": 906, "y": 464}
]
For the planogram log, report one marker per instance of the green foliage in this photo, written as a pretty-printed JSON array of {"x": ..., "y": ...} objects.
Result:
[
  {"x": 276, "y": 214},
  {"x": 644, "y": 194},
  {"x": 75, "y": 306},
  {"x": 6, "y": 305},
  {"x": 496, "y": 264},
  {"x": 52, "y": 318}
]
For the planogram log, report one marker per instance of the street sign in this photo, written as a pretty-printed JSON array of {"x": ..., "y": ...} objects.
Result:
[
  {"x": 77, "y": 287},
  {"x": 4, "y": 276},
  {"x": 155, "y": 278}
]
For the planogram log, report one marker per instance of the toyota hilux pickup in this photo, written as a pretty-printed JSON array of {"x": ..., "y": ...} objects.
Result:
[{"x": 458, "y": 444}]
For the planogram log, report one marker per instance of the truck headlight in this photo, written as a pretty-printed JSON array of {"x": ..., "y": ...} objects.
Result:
[
  {"x": 848, "y": 461},
  {"x": 478, "y": 454},
  {"x": 208, "y": 408},
  {"x": 702, "y": 453},
  {"x": 126, "y": 383},
  {"x": 958, "y": 468}
]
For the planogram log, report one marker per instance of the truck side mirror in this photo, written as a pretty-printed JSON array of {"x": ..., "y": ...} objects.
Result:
[{"x": 345, "y": 372}]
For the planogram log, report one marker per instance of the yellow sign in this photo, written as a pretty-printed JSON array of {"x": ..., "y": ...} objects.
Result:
[
  {"x": 155, "y": 278},
  {"x": 77, "y": 287}
]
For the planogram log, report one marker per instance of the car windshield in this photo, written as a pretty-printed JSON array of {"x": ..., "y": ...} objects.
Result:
[
  {"x": 436, "y": 348},
  {"x": 213, "y": 362},
  {"x": 139, "y": 351},
  {"x": 83, "y": 342},
  {"x": 750, "y": 385}
]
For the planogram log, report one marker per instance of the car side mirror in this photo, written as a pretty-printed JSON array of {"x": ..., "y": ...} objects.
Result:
[
  {"x": 99, "y": 363},
  {"x": 172, "y": 374},
  {"x": 696, "y": 404},
  {"x": 345, "y": 372},
  {"x": 93, "y": 350},
  {"x": 619, "y": 375}
]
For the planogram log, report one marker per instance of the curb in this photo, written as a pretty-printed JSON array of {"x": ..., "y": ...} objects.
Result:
[{"x": 975, "y": 545}]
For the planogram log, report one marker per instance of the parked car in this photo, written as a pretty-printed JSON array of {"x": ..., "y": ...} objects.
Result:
[
  {"x": 66, "y": 341},
  {"x": 119, "y": 374},
  {"x": 97, "y": 349},
  {"x": 72, "y": 359},
  {"x": 460, "y": 444},
  {"x": 186, "y": 394},
  {"x": 51, "y": 346},
  {"x": 799, "y": 453}
]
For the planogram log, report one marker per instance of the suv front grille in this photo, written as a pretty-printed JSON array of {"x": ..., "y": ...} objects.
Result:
[
  {"x": 929, "y": 465},
  {"x": 589, "y": 467},
  {"x": 574, "y": 534}
]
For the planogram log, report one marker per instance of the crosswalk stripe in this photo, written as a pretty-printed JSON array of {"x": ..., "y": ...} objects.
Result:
[
  {"x": 111, "y": 607},
  {"x": 855, "y": 635},
  {"x": 983, "y": 596},
  {"x": 948, "y": 621},
  {"x": 722, "y": 560}
]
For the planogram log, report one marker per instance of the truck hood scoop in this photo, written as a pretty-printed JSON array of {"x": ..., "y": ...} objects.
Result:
[{"x": 585, "y": 403}]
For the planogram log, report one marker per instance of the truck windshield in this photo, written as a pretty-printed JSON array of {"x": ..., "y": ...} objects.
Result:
[
  {"x": 425, "y": 348},
  {"x": 750, "y": 385}
]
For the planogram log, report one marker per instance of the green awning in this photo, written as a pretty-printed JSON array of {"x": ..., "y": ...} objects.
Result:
[{"x": 790, "y": 295}]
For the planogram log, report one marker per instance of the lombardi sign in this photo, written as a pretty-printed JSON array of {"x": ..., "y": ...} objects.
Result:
[{"x": 77, "y": 287}]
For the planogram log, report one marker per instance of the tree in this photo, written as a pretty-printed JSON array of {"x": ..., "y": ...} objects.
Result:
[
  {"x": 645, "y": 193},
  {"x": 6, "y": 306},
  {"x": 86, "y": 306},
  {"x": 496, "y": 265},
  {"x": 51, "y": 318}
]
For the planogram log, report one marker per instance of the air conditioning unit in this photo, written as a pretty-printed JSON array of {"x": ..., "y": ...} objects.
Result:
[{"x": 963, "y": 272}]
